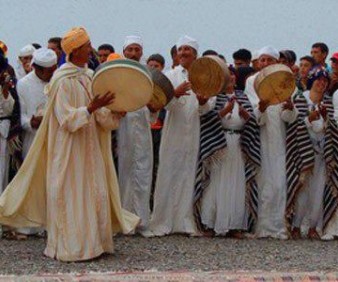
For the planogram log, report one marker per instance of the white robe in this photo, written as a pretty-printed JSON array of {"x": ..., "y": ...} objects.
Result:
[
  {"x": 173, "y": 197},
  {"x": 19, "y": 71},
  {"x": 135, "y": 152},
  {"x": 32, "y": 99},
  {"x": 271, "y": 180},
  {"x": 309, "y": 201},
  {"x": 223, "y": 204}
]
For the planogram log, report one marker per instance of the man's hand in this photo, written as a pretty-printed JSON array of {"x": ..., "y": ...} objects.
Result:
[
  {"x": 243, "y": 113},
  {"x": 262, "y": 106},
  {"x": 101, "y": 101},
  {"x": 288, "y": 105},
  {"x": 314, "y": 115},
  {"x": 201, "y": 99},
  {"x": 323, "y": 111},
  {"x": 36, "y": 121},
  {"x": 228, "y": 108},
  {"x": 6, "y": 83},
  {"x": 182, "y": 89}
]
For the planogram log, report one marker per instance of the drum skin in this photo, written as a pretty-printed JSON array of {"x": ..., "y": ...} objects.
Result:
[
  {"x": 129, "y": 80},
  {"x": 209, "y": 76},
  {"x": 275, "y": 84},
  {"x": 163, "y": 90}
]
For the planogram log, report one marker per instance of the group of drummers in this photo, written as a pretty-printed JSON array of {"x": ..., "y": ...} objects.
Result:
[{"x": 207, "y": 148}]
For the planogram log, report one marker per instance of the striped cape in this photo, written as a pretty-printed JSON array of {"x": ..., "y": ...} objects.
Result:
[
  {"x": 300, "y": 155},
  {"x": 212, "y": 148},
  {"x": 300, "y": 158}
]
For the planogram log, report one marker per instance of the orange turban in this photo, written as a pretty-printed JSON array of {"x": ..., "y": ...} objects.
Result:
[
  {"x": 74, "y": 39},
  {"x": 3, "y": 47},
  {"x": 114, "y": 56}
]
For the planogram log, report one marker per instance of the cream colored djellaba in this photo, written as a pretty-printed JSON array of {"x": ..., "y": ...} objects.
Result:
[{"x": 67, "y": 182}]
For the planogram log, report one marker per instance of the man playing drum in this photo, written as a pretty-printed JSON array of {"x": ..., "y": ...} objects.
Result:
[{"x": 272, "y": 178}]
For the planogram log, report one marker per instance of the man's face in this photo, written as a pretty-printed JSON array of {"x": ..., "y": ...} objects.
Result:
[
  {"x": 186, "y": 56},
  {"x": 103, "y": 55},
  {"x": 155, "y": 65},
  {"x": 320, "y": 85},
  {"x": 318, "y": 55},
  {"x": 266, "y": 60},
  {"x": 26, "y": 62},
  {"x": 83, "y": 53},
  {"x": 46, "y": 73},
  {"x": 175, "y": 59},
  {"x": 55, "y": 48},
  {"x": 255, "y": 65},
  {"x": 334, "y": 65},
  {"x": 241, "y": 63},
  {"x": 133, "y": 52},
  {"x": 304, "y": 68}
]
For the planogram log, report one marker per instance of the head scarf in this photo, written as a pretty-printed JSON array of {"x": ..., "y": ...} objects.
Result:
[
  {"x": 315, "y": 73},
  {"x": 187, "y": 41},
  {"x": 44, "y": 57},
  {"x": 132, "y": 39},
  {"x": 269, "y": 51},
  {"x": 74, "y": 39},
  {"x": 28, "y": 50}
]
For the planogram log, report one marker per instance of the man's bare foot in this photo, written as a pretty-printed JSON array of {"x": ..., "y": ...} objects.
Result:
[
  {"x": 236, "y": 234},
  {"x": 208, "y": 233},
  {"x": 313, "y": 234},
  {"x": 296, "y": 234}
]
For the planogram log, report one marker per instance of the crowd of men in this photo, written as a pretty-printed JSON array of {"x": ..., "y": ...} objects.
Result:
[{"x": 230, "y": 165}]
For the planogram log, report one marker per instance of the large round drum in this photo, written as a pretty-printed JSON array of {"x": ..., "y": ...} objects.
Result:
[
  {"x": 163, "y": 90},
  {"x": 129, "y": 80},
  {"x": 275, "y": 84},
  {"x": 208, "y": 75}
]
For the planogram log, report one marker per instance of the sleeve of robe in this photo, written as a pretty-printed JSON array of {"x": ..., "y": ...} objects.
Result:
[
  {"x": 25, "y": 118},
  {"x": 208, "y": 106},
  {"x": 261, "y": 117},
  {"x": 335, "y": 105},
  {"x": 107, "y": 119},
  {"x": 289, "y": 116},
  {"x": 68, "y": 116},
  {"x": 316, "y": 125}
]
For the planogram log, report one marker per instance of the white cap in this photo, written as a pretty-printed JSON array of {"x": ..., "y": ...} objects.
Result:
[
  {"x": 187, "y": 41},
  {"x": 44, "y": 57},
  {"x": 255, "y": 55},
  {"x": 28, "y": 50},
  {"x": 270, "y": 51},
  {"x": 132, "y": 39}
]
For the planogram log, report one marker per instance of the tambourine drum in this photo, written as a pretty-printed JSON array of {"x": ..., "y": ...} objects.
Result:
[
  {"x": 275, "y": 84},
  {"x": 129, "y": 80},
  {"x": 163, "y": 90},
  {"x": 209, "y": 75}
]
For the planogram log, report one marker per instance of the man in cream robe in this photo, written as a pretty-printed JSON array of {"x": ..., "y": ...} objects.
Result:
[
  {"x": 271, "y": 180},
  {"x": 173, "y": 197},
  {"x": 135, "y": 151},
  {"x": 67, "y": 182}
]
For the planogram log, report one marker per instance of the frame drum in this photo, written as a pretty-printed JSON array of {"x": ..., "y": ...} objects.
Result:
[
  {"x": 275, "y": 84},
  {"x": 129, "y": 80},
  {"x": 208, "y": 75}
]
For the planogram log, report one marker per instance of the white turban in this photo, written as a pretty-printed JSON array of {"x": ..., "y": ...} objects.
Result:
[
  {"x": 187, "y": 41},
  {"x": 28, "y": 50},
  {"x": 132, "y": 39},
  {"x": 269, "y": 51},
  {"x": 255, "y": 55},
  {"x": 45, "y": 58}
]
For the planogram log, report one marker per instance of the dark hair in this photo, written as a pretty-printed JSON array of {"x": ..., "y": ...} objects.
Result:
[
  {"x": 242, "y": 54},
  {"x": 222, "y": 57},
  {"x": 286, "y": 55},
  {"x": 156, "y": 57},
  {"x": 173, "y": 51},
  {"x": 293, "y": 56},
  {"x": 308, "y": 59},
  {"x": 36, "y": 46},
  {"x": 57, "y": 41},
  {"x": 209, "y": 52},
  {"x": 108, "y": 47},
  {"x": 323, "y": 47}
]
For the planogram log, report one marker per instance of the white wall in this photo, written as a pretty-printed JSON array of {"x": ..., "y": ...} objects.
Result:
[{"x": 223, "y": 25}]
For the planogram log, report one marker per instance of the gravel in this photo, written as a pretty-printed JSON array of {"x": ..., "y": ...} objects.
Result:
[{"x": 176, "y": 253}]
